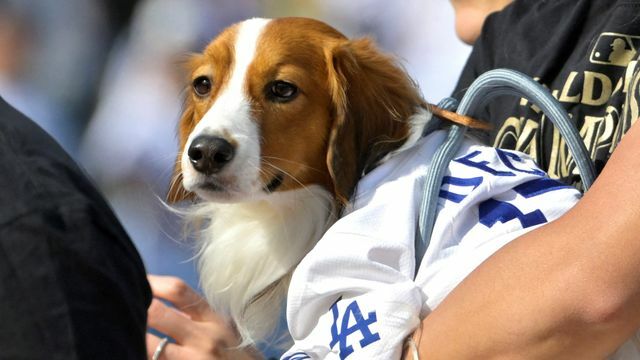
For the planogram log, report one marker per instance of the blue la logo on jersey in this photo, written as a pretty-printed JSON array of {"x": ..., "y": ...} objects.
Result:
[{"x": 344, "y": 335}]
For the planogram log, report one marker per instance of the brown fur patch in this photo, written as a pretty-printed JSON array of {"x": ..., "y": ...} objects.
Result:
[
  {"x": 351, "y": 110},
  {"x": 295, "y": 133}
]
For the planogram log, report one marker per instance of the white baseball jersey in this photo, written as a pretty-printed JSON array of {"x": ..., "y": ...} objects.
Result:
[{"x": 356, "y": 295}]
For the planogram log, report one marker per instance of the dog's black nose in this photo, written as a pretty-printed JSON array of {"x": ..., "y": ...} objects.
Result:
[{"x": 209, "y": 154}]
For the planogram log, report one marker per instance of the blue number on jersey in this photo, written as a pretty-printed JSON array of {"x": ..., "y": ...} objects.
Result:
[{"x": 361, "y": 325}]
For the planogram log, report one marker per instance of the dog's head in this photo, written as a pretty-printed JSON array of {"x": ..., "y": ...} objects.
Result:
[{"x": 275, "y": 105}]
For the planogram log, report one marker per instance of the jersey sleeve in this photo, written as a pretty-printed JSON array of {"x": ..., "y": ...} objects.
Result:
[{"x": 368, "y": 320}]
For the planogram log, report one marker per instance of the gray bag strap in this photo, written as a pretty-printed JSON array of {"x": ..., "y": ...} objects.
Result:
[{"x": 485, "y": 88}]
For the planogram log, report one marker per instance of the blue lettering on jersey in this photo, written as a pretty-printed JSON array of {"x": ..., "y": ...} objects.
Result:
[
  {"x": 457, "y": 198},
  {"x": 361, "y": 325},
  {"x": 481, "y": 165},
  {"x": 297, "y": 356},
  {"x": 492, "y": 211},
  {"x": 506, "y": 158},
  {"x": 538, "y": 187}
]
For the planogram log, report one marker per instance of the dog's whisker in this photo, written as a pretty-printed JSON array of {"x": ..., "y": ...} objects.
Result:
[
  {"x": 260, "y": 170},
  {"x": 279, "y": 169},
  {"x": 173, "y": 182},
  {"x": 329, "y": 209},
  {"x": 303, "y": 186},
  {"x": 176, "y": 180},
  {"x": 298, "y": 163},
  {"x": 265, "y": 172}
]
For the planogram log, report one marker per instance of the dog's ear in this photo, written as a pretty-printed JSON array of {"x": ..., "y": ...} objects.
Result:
[
  {"x": 177, "y": 192},
  {"x": 373, "y": 99}
]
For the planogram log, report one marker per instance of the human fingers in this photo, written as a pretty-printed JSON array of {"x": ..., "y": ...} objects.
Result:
[
  {"x": 186, "y": 331},
  {"x": 169, "y": 351},
  {"x": 173, "y": 323},
  {"x": 182, "y": 296},
  {"x": 174, "y": 351}
]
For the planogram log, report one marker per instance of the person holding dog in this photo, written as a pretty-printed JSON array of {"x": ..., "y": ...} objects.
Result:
[{"x": 568, "y": 289}]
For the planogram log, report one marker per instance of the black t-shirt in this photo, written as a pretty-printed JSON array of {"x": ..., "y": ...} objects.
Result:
[
  {"x": 585, "y": 52},
  {"x": 72, "y": 285}
]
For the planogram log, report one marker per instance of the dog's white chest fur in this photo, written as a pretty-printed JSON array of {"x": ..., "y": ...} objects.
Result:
[{"x": 247, "y": 251}]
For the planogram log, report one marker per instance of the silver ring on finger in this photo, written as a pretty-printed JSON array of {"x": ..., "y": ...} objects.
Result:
[{"x": 163, "y": 343}]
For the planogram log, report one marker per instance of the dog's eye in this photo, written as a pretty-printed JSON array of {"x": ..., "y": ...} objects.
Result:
[
  {"x": 282, "y": 91},
  {"x": 202, "y": 85}
]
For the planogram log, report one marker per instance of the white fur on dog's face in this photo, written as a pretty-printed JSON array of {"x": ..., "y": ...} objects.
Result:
[{"x": 230, "y": 117}]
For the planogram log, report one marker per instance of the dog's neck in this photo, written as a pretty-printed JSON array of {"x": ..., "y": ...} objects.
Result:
[{"x": 248, "y": 251}]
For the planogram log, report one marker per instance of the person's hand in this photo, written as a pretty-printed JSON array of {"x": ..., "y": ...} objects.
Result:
[{"x": 199, "y": 332}]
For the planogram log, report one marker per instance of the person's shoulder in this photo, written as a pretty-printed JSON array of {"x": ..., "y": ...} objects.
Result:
[{"x": 35, "y": 172}]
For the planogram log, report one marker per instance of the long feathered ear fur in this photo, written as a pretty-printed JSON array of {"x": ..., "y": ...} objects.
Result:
[
  {"x": 373, "y": 99},
  {"x": 177, "y": 192}
]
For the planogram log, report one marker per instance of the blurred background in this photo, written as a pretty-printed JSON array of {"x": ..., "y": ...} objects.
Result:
[{"x": 104, "y": 78}]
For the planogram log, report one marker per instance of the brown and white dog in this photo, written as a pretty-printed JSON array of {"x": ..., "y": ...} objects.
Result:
[{"x": 282, "y": 118}]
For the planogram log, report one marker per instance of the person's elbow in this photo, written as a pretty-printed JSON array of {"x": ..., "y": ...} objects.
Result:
[{"x": 609, "y": 312}]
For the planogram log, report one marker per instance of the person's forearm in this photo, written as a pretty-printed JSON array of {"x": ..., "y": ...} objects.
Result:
[{"x": 568, "y": 289}]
